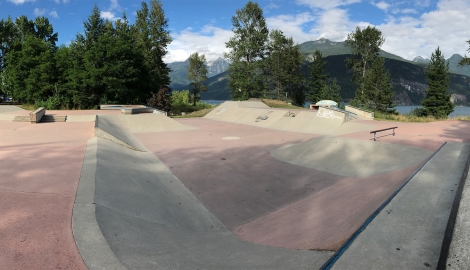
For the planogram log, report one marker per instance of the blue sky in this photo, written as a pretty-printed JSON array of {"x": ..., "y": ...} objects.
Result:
[{"x": 411, "y": 28}]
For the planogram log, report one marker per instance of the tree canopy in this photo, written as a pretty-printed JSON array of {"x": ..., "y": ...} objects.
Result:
[
  {"x": 197, "y": 74},
  {"x": 247, "y": 50},
  {"x": 437, "y": 101},
  {"x": 110, "y": 62}
]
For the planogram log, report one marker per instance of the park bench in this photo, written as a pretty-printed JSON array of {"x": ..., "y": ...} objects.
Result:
[{"x": 380, "y": 130}]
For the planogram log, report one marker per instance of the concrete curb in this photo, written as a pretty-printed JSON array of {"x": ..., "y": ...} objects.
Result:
[{"x": 90, "y": 241}]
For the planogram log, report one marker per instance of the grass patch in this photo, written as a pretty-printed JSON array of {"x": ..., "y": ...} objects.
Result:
[
  {"x": 28, "y": 107},
  {"x": 199, "y": 113},
  {"x": 403, "y": 118},
  {"x": 273, "y": 103}
]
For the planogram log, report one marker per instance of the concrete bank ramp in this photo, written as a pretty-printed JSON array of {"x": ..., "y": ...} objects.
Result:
[
  {"x": 6, "y": 112},
  {"x": 149, "y": 220},
  {"x": 408, "y": 232},
  {"x": 350, "y": 157},
  {"x": 323, "y": 121},
  {"x": 118, "y": 128}
]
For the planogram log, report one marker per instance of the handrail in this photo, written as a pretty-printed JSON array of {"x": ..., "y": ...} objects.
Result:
[{"x": 380, "y": 130}]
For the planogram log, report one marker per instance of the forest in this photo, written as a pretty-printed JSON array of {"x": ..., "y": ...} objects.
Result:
[{"x": 109, "y": 63}]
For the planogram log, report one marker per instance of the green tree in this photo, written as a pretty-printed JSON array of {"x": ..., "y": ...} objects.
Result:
[
  {"x": 30, "y": 61},
  {"x": 335, "y": 91},
  {"x": 318, "y": 78},
  {"x": 365, "y": 46},
  {"x": 247, "y": 49},
  {"x": 437, "y": 101},
  {"x": 153, "y": 38},
  {"x": 283, "y": 67},
  {"x": 465, "y": 60},
  {"x": 197, "y": 74},
  {"x": 377, "y": 87}
]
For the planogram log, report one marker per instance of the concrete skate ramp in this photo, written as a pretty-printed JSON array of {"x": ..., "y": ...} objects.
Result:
[
  {"x": 323, "y": 121},
  {"x": 118, "y": 128},
  {"x": 149, "y": 220},
  {"x": 152, "y": 122},
  {"x": 9, "y": 108},
  {"x": 349, "y": 157}
]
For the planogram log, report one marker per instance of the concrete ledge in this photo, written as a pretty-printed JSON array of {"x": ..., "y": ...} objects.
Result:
[
  {"x": 364, "y": 114},
  {"x": 141, "y": 110},
  {"x": 36, "y": 115}
]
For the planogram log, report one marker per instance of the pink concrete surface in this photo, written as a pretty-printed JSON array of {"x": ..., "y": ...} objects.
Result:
[
  {"x": 425, "y": 135},
  {"x": 40, "y": 167},
  {"x": 308, "y": 209}
]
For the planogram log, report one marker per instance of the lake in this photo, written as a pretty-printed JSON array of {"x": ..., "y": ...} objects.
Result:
[{"x": 458, "y": 111}]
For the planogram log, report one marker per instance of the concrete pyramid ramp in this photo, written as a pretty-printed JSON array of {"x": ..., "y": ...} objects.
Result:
[
  {"x": 111, "y": 127},
  {"x": 349, "y": 157},
  {"x": 119, "y": 128}
]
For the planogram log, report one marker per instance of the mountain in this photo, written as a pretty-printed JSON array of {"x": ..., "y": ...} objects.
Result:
[
  {"x": 328, "y": 47},
  {"x": 216, "y": 67},
  {"x": 454, "y": 65},
  {"x": 179, "y": 70},
  {"x": 408, "y": 79},
  {"x": 419, "y": 59}
]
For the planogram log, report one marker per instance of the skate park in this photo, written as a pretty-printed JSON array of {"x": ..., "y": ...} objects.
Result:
[{"x": 245, "y": 187}]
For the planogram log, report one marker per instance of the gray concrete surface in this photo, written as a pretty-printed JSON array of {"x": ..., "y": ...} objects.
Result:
[
  {"x": 91, "y": 244},
  {"x": 459, "y": 252},
  {"x": 9, "y": 108},
  {"x": 350, "y": 157},
  {"x": 255, "y": 113},
  {"x": 111, "y": 127},
  {"x": 151, "y": 221},
  {"x": 408, "y": 232}
]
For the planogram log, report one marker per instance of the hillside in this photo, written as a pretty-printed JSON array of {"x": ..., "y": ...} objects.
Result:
[
  {"x": 328, "y": 47},
  {"x": 408, "y": 80}
]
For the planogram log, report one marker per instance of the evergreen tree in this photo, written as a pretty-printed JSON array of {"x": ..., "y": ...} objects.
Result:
[
  {"x": 465, "y": 60},
  {"x": 318, "y": 78},
  {"x": 365, "y": 46},
  {"x": 335, "y": 92},
  {"x": 283, "y": 67},
  {"x": 197, "y": 74},
  {"x": 30, "y": 61},
  {"x": 247, "y": 49},
  {"x": 153, "y": 38},
  {"x": 377, "y": 87},
  {"x": 437, "y": 101}
]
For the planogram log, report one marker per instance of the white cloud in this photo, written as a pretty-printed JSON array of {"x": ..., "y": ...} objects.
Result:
[
  {"x": 409, "y": 11},
  {"x": 39, "y": 11},
  {"x": 115, "y": 5},
  {"x": 210, "y": 41},
  {"x": 270, "y": 6},
  {"x": 20, "y": 2},
  {"x": 445, "y": 27},
  {"x": 408, "y": 32},
  {"x": 54, "y": 14},
  {"x": 63, "y": 1},
  {"x": 108, "y": 15},
  {"x": 327, "y": 4},
  {"x": 291, "y": 25},
  {"x": 382, "y": 5}
]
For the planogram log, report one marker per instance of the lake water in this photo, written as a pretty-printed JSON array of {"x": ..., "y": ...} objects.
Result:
[{"x": 458, "y": 111}]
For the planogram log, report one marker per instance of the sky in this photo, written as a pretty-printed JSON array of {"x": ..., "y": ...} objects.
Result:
[{"x": 410, "y": 27}]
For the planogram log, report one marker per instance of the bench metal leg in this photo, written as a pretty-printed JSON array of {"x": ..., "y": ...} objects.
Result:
[{"x": 375, "y": 138}]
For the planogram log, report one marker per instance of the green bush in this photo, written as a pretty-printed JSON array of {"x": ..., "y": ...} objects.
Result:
[{"x": 181, "y": 102}]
